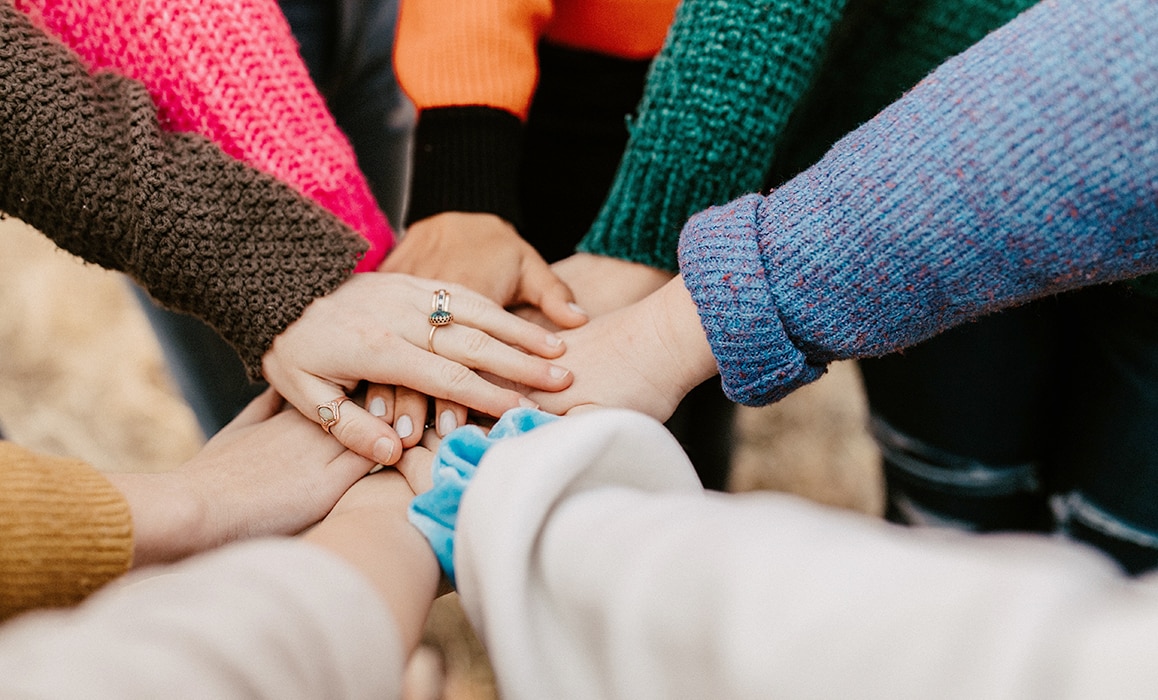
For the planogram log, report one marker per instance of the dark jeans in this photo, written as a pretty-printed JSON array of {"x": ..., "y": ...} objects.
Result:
[
  {"x": 1042, "y": 418},
  {"x": 348, "y": 47}
]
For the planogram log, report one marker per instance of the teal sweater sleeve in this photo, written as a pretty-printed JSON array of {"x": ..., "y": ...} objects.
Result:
[
  {"x": 1024, "y": 167},
  {"x": 717, "y": 96}
]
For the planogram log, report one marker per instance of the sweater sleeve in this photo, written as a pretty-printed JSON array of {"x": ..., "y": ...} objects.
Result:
[
  {"x": 276, "y": 619},
  {"x": 230, "y": 71},
  {"x": 65, "y": 531},
  {"x": 1024, "y": 167},
  {"x": 716, "y": 100},
  {"x": 593, "y": 565},
  {"x": 82, "y": 159}
]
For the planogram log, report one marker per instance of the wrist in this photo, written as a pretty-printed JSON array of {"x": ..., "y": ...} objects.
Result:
[
  {"x": 170, "y": 518},
  {"x": 677, "y": 323}
]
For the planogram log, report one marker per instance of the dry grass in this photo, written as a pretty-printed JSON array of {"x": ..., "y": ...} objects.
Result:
[{"x": 81, "y": 375}]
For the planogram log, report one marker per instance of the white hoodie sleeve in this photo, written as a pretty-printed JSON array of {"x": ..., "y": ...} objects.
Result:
[{"x": 594, "y": 566}]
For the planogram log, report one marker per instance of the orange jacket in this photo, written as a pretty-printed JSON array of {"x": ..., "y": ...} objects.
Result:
[{"x": 483, "y": 52}]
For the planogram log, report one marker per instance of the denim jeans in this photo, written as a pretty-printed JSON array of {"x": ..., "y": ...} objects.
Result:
[
  {"x": 1043, "y": 417},
  {"x": 347, "y": 46}
]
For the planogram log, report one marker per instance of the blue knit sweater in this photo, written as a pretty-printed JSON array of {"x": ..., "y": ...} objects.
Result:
[{"x": 1024, "y": 167}]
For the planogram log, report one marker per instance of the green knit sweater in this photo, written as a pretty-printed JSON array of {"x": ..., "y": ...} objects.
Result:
[{"x": 745, "y": 88}]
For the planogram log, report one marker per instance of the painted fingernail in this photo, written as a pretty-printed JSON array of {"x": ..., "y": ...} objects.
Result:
[
  {"x": 554, "y": 340},
  {"x": 447, "y": 422},
  {"x": 404, "y": 427},
  {"x": 377, "y": 407},
  {"x": 383, "y": 450},
  {"x": 576, "y": 308},
  {"x": 558, "y": 372},
  {"x": 527, "y": 403}
]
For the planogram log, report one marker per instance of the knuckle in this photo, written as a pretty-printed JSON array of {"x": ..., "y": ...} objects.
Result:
[
  {"x": 456, "y": 377},
  {"x": 475, "y": 344}
]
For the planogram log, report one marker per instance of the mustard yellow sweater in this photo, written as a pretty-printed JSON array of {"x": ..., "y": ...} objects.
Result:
[{"x": 65, "y": 531}]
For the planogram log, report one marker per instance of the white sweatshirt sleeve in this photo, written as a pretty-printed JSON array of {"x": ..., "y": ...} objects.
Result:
[
  {"x": 278, "y": 618},
  {"x": 593, "y": 566}
]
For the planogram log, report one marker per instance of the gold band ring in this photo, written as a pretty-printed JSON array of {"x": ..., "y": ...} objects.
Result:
[
  {"x": 330, "y": 413},
  {"x": 430, "y": 339}
]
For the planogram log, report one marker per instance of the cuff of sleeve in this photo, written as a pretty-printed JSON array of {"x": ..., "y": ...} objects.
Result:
[
  {"x": 435, "y": 513},
  {"x": 724, "y": 271},
  {"x": 466, "y": 159}
]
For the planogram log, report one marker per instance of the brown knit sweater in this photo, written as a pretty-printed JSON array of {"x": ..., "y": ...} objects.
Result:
[
  {"x": 83, "y": 159},
  {"x": 65, "y": 531}
]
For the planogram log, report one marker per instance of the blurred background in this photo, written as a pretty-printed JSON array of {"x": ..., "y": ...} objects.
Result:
[{"x": 82, "y": 375}]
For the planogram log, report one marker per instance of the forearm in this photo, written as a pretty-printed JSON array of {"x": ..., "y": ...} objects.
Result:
[
  {"x": 716, "y": 101},
  {"x": 83, "y": 159},
  {"x": 1022, "y": 168}
]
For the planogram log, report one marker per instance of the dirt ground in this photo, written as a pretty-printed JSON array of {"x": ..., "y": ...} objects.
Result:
[{"x": 81, "y": 375}]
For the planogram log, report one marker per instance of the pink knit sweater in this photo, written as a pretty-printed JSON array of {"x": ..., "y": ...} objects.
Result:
[{"x": 230, "y": 71}]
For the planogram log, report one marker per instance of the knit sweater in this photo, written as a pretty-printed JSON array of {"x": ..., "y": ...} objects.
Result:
[
  {"x": 66, "y": 531},
  {"x": 471, "y": 69},
  {"x": 84, "y": 160},
  {"x": 1026, "y": 166},
  {"x": 230, "y": 71},
  {"x": 717, "y": 107}
]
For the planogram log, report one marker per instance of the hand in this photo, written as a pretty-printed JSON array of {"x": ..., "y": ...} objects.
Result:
[
  {"x": 484, "y": 253},
  {"x": 603, "y": 284},
  {"x": 646, "y": 356},
  {"x": 269, "y": 472},
  {"x": 375, "y": 328}
]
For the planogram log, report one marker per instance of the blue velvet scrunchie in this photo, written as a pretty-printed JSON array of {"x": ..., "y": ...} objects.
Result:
[{"x": 435, "y": 512}]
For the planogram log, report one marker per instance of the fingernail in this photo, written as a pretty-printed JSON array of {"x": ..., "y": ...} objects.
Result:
[
  {"x": 576, "y": 308},
  {"x": 378, "y": 407},
  {"x": 404, "y": 427},
  {"x": 527, "y": 403},
  {"x": 554, "y": 340},
  {"x": 383, "y": 450},
  {"x": 447, "y": 423},
  {"x": 558, "y": 372}
]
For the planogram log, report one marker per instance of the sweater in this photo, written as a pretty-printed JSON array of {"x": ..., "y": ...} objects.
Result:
[
  {"x": 274, "y": 618},
  {"x": 66, "y": 531},
  {"x": 84, "y": 160},
  {"x": 1024, "y": 167},
  {"x": 740, "y": 86},
  {"x": 593, "y": 565},
  {"x": 471, "y": 69},
  {"x": 229, "y": 71}
]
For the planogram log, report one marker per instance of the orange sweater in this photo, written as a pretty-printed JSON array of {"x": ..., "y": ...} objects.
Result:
[
  {"x": 65, "y": 531},
  {"x": 483, "y": 52}
]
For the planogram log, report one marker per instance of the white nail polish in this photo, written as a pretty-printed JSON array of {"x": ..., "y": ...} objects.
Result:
[
  {"x": 447, "y": 422},
  {"x": 377, "y": 407},
  {"x": 576, "y": 308},
  {"x": 383, "y": 450},
  {"x": 404, "y": 427},
  {"x": 558, "y": 372},
  {"x": 527, "y": 403},
  {"x": 554, "y": 340}
]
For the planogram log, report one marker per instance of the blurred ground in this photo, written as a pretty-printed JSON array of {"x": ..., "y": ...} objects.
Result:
[{"x": 81, "y": 375}]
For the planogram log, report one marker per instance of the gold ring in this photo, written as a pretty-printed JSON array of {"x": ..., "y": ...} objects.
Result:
[
  {"x": 329, "y": 412},
  {"x": 440, "y": 310},
  {"x": 430, "y": 338}
]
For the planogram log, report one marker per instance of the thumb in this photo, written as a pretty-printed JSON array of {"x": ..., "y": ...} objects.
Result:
[{"x": 542, "y": 288}]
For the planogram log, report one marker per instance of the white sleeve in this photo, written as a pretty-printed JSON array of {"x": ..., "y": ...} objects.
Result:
[
  {"x": 277, "y": 618},
  {"x": 593, "y": 565}
]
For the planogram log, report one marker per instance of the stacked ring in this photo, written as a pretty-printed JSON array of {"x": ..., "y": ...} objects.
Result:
[
  {"x": 439, "y": 315},
  {"x": 329, "y": 413}
]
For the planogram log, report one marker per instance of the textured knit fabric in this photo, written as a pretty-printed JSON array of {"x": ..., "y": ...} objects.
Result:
[
  {"x": 716, "y": 111},
  {"x": 594, "y": 566},
  {"x": 435, "y": 512},
  {"x": 1024, "y": 167},
  {"x": 65, "y": 531},
  {"x": 83, "y": 159},
  {"x": 230, "y": 71},
  {"x": 471, "y": 68},
  {"x": 276, "y": 619}
]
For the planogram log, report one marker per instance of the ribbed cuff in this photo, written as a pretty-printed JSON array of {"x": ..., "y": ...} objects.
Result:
[{"x": 466, "y": 159}]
